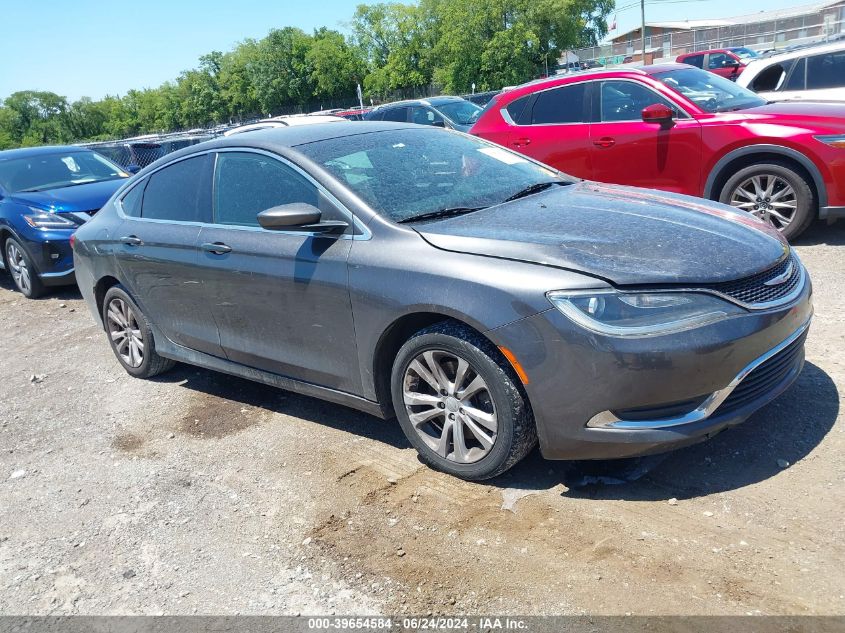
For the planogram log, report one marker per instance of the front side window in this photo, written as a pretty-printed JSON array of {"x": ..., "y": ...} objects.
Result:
[
  {"x": 461, "y": 112},
  {"x": 180, "y": 192},
  {"x": 424, "y": 116},
  {"x": 245, "y": 184},
  {"x": 560, "y": 105},
  {"x": 56, "y": 171},
  {"x": 709, "y": 91},
  {"x": 718, "y": 60},
  {"x": 826, "y": 71},
  {"x": 406, "y": 173},
  {"x": 625, "y": 100}
]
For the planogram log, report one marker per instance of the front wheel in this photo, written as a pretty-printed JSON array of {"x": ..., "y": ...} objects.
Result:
[
  {"x": 460, "y": 404},
  {"x": 22, "y": 270},
  {"x": 775, "y": 193}
]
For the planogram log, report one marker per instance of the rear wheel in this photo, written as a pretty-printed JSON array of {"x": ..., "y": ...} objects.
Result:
[
  {"x": 22, "y": 269},
  {"x": 775, "y": 193},
  {"x": 460, "y": 404},
  {"x": 130, "y": 335}
]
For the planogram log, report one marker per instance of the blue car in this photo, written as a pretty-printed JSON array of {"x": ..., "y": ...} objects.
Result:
[{"x": 46, "y": 193}]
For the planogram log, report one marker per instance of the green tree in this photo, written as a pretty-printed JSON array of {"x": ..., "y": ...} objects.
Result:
[{"x": 336, "y": 67}]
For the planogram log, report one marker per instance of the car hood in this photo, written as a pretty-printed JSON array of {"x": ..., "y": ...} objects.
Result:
[
  {"x": 625, "y": 235},
  {"x": 88, "y": 197},
  {"x": 828, "y": 114}
]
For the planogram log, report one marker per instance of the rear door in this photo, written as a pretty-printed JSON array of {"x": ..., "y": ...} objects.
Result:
[
  {"x": 280, "y": 298},
  {"x": 627, "y": 151},
  {"x": 156, "y": 250},
  {"x": 552, "y": 127}
]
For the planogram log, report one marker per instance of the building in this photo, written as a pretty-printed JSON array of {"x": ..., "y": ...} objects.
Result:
[{"x": 760, "y": 31}]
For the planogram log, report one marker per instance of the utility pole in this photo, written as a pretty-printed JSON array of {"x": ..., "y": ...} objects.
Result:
[{"x": 642, "y": 32}]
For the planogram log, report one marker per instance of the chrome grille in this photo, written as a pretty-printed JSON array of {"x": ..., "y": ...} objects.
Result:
[{"x": 754, "y": 290}]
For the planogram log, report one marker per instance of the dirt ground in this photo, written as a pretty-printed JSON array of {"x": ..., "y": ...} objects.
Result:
[{"x": 202, "y": 493}]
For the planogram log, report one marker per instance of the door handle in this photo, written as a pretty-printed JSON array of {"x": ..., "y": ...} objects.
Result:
[
  {"x": 520, "y": 142},
  {"x": 218, "y": 248},
  {"x": 131, "y": 240},
  {"x": 605, "y": 142}
]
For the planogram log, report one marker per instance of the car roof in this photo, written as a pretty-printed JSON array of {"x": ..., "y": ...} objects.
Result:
[
  {"x": 712, "y": 50},
  {"x": 799, "y": 51},
  {"x": 426, "y": 101},
  {"x": 26, "y": 152},
  {"x": 281, "y": 138}
]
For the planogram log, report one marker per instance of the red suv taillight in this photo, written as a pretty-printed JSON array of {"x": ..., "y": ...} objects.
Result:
[{"x": 72, "y": 240}]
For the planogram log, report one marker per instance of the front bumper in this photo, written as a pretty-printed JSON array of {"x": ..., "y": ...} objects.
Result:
[
  {"x": 598, "y": 397},
  {"x": 51, "y": 254}
]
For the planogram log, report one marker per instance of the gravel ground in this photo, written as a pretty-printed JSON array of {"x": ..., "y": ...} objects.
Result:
[{"x": 202, "y": 493}]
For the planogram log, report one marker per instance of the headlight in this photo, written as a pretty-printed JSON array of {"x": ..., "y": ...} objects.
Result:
[
  {"x": 43, "y": 220},
  {"x": 641, "y": 314},
  {"x": 834, "y": 140}
]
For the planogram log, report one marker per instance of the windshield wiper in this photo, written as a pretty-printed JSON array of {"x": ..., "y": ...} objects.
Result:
[
  {"x": 440, "y": 213},
  {"x": 537, "y": 187},
  {"x": 63, "y": 185}
]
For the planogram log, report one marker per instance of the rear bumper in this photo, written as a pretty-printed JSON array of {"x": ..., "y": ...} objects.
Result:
[{"x": 598, "y": 397}]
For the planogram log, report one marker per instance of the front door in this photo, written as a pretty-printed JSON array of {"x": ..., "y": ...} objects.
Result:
[
  {"x": 627, "y": 151},
  {"x": 280, "y": 298}
]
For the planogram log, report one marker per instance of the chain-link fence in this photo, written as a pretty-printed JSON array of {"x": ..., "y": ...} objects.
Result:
[{"x": 760, "y": 36}]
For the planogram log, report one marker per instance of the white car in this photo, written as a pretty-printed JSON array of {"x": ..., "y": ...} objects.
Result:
[
  {"x": 813, "y": 73},
  {"x": 284, "y": 121}
]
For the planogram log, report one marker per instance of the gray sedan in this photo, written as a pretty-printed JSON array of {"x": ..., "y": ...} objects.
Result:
[{"x": 483, "y": 299}]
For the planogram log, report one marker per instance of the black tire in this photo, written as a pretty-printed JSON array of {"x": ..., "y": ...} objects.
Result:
[
  {"x": 805, "y": 210},
  {"x": 515, "y": 434},
  {"x": 23, "y": 272},
  {"x": 151, "y": 364}
]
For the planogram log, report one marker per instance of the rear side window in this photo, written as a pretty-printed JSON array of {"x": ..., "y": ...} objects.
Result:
[
  {"x": 245, "y": 184},
  {"x": 180, "y": 192},
  {"x": 694, "y": 60},
  {"x": 826, "y": 71},
  {"x": 517, "y": 110},
  {"x": 131, "y": 202},
  {"x": 560, "y": 105},
  {"x": 396, "y": 114}
]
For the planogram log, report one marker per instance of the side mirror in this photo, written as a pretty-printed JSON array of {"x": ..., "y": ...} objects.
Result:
[
  {"x": 298, "y": 216},
  {"x": 657, "y": 113},
  {"x": 439, "y": 123},
  {"x": 133, "y": 169}
]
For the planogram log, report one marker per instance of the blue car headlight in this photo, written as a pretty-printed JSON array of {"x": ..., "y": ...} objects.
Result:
[
  {"x": 44, "y": 220},
  {"x": 632, "y": 314}
]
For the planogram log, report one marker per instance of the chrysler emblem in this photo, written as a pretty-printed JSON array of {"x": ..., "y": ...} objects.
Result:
[{"x": 776, "y": 281}]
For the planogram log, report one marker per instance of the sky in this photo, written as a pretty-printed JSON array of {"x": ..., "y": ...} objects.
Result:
[{"x": 98, "y": 47}]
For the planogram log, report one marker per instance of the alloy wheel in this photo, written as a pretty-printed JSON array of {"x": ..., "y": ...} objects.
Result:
[
  {"x": 450, "y": 406},
  {"x": 18, "y": 267},
  {"x": 125, "y": 334},
  {"x": 769, "y": 197}
]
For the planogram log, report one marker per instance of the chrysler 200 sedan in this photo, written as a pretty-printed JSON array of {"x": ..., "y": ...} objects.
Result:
[{"x": 485, "y": 300}]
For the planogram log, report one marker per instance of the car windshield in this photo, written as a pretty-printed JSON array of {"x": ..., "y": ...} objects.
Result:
[
  {"x": 709, "y": 91},
  {"x": 406, "y": 173},
  {"x": 461, "y": 112},
  {"x": 54, "y": 171},
  {"x": 744, "y": 53}
]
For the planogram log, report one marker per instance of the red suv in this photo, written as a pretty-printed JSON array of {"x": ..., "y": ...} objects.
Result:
[
  {"x": 683, "y": 130},
  {"x": 727, "y": 62}
]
